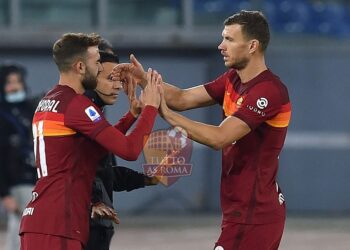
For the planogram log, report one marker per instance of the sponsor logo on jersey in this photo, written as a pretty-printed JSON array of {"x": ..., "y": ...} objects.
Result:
[
  {"x": 28, "y": 211},
  {"x": 256, "y": 110},
  {"x": 219, "y": 248},
  {"x": 280, "y": 198},
  {"x": 262, "y": 103},
  {"x": 92, "y": 114},
  {"x": 34, "y": 196}
]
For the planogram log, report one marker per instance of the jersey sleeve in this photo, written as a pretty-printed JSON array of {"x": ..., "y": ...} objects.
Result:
[
  {"x": 263, "y": 102},
  {"x": 129, "y": 146},
  {"x": 125, "y": 122},
  {"x": 216, "y": 88},
  {"x": 85, "y": 117}
]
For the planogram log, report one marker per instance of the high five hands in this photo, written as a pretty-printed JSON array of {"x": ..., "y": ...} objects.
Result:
[{"x": 133, "y": 74}]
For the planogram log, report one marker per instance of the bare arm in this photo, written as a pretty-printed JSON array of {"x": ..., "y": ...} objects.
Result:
[
  {"x": 184, "y": 99},
  {"x": 176, "y": 98},
  {"x": 217, "y": 137}
]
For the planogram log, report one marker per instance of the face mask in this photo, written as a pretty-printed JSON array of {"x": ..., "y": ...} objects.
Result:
[{"x": 18, "y": 96}]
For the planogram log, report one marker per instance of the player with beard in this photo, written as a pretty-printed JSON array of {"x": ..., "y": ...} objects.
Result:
[
  {"x": 256, "y": 110},
  {"x": 71, "y": 136}
]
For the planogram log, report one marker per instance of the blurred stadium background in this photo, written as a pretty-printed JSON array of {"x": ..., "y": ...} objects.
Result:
[{"x": 309, "y": 50}]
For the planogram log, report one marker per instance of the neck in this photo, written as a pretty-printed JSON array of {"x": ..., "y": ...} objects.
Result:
[
  {"x": 252, "y": 70},
  {"x": 71, "y": 80}
]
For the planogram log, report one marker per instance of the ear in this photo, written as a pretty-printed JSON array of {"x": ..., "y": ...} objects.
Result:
[
  {"x": 80, "y": 67},
  {"x": 254, "y": 45}
]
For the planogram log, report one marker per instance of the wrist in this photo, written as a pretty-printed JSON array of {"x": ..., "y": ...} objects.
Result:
[{"x": 133, "y": 113}]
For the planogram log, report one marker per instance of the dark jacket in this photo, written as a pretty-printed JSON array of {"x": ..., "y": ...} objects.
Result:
[{"x": 17, "y": 164}]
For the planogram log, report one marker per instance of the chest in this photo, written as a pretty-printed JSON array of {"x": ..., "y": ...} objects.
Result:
[{"x": 233, "y": 99}]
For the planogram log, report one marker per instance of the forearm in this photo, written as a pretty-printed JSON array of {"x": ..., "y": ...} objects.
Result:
[
  {"x": 129, "y": 147},
  {"x": 202, "y": 133},
  {"x": 126, "y": 179},
  {"x": 125, "y": 122},
  {"x": 174, "y": 96}
]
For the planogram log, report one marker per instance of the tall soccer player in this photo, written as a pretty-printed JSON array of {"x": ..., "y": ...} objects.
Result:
[
  {"x": 71, "y": 136},
  {"x": 257, "y": 112}
]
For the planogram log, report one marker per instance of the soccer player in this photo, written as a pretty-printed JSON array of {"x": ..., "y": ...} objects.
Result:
[
  {"x": 109, "y": 176},
  {"x": 256, "y": 110},
  {"x": 70, "y": 137}
]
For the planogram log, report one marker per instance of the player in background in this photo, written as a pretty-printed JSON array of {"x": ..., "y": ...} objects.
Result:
[
  {"x": 256, "y": 114},
  {"x": 109, "y": 176},
  {"x": 71, "y": 136}
]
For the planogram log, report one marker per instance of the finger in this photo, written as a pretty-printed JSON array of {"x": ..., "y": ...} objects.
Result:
[
  {"x": 134, "y": 84},
  {"x": 134, "y": 61},
  {"x": 98, "y": 212},
  {"x": 159, "y": 79},
  {"x": 93, "y": 214},
  {"x": 154, "y": 79},
  {"x": 132, "y": 89},
  {"x": 149, "y": 76},
  {"x": 125, "y": 87}
]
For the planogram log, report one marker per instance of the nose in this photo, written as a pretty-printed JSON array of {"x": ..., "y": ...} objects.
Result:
[{"x": 220, "y": 47}]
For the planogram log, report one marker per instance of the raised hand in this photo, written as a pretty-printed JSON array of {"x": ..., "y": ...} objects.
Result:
[
  {"x": 163, "y": 108},
  {"x": 135, "y": 104},
  {"x": 127, "y": 72},
  {"x": 101, "y": 210},
  {"x": 151, "y": 95}
]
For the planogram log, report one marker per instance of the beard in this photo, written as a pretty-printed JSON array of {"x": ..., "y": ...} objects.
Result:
[
  {"x": 239, "y": 64},
  {"x": 89, "y": 81}
]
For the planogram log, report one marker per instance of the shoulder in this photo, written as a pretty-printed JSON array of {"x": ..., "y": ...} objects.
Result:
[{"x": 271, "y": 85}]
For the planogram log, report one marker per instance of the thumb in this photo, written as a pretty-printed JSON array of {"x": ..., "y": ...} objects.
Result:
[{"x": 134, "y": 61}]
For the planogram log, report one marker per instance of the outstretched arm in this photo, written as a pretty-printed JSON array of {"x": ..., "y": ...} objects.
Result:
[
  {"x": 176, "y": 98},
  {"x": 217, "y": 137},
  {"x": 126, "y": 179}
]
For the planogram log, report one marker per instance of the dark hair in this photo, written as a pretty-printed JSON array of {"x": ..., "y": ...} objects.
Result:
[
  {"x": 72, "y": 46},
  {"x": 254, "y": 26},
  {"x": 5, "y": 71},
  {"x": 106, "y": 46},
  {"x": 108, "y": 57}
]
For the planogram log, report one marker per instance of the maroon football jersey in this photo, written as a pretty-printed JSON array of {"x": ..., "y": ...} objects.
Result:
[
  {"x": 65, "y": 127},
  {"x": 249, "y": 192}
]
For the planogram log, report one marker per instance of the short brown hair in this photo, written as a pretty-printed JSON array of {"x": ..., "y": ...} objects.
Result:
[
  {"x": 72, "y": 46},
  {"x": 254, "y": 26}
]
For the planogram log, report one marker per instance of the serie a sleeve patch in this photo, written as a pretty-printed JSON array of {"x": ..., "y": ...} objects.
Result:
[{"x": 92, "y": 114}]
